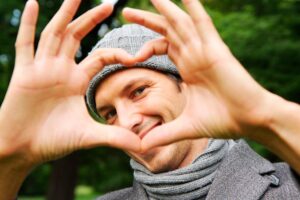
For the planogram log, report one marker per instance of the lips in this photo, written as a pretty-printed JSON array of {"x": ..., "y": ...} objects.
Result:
[{"x": 148, "y": 128}]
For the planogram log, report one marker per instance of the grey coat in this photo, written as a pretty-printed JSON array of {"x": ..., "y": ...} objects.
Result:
[{"x": 243, "y": 175}]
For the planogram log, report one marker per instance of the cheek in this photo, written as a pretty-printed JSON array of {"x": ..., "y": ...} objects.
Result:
[{"x": 166, "y": 106}]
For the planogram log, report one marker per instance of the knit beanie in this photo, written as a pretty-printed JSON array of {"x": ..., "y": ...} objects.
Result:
[{"x": 131, "y": 38}]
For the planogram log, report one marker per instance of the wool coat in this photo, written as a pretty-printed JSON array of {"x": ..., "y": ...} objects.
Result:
[{"x": 242, "y": 175}]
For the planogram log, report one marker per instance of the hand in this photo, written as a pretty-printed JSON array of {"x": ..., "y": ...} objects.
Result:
[
  {"x": 43, "y": 116},
  {"x": 222, "y": 98}
]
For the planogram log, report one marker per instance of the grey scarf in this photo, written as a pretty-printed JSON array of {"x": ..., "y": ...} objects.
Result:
[{"x": 188, "y": 183}]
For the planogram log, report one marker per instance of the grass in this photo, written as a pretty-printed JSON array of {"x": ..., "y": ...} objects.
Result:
[{"x": 82, "y": 192}]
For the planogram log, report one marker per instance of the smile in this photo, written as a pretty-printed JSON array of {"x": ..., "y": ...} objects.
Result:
[{"x": 143, "y": 133}]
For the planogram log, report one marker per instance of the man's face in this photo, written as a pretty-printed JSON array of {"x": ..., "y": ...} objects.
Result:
[{"x": 140, "y": 100}]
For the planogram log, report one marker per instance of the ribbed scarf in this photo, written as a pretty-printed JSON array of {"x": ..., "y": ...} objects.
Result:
[{"x": 188, "y": 183}]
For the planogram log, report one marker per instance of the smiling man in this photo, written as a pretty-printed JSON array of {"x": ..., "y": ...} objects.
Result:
[
  {"x": 157, "y": 113},
  {"x": 140, "y": 99},
  {"x": 151, "y": 94}
]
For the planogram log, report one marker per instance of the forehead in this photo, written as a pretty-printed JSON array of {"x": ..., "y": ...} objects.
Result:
[{"x": 127, "y": 75}]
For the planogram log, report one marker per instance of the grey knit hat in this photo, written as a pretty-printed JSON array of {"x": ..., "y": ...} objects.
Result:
[{"x": 130, "y": 37}]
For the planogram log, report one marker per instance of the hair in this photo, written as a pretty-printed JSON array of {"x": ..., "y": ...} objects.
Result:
[{"x": 176, "y": 79}]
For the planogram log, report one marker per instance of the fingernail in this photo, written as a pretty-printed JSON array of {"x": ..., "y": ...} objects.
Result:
[
  {"x": 112, "y": 2},
  {"x": 31, "y": 1},
  {"x": 127, "y": 9}
]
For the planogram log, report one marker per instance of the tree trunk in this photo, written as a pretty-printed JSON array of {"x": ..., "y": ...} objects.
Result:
[{"x": 63, "y": 178}]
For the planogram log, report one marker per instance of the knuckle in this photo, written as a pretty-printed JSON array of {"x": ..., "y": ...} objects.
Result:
[
  {"x": 94, "y": 21},
  {"x": 97, "y": 52},
  {"x": 51, "y": 33},
  {"x": 109, "y": 140},
  {"x": 19, "y": 44},
  {"x": 206, "y": 19},
  {"x": 75, "y": 33},
  {"x": 23, "y": 45},
  {"x": 186, "y": 20},
  {"x": 66, "y": 13},
  {"x": 162, "y": 31},
  {"x": 44, "y": 33}
]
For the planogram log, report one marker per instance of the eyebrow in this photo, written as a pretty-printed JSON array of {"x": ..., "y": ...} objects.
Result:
[
  {"x": 125, "y": 90},
  {"x": 131, "y": 84}
]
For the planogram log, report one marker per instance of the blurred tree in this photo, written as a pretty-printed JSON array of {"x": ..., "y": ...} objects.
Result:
[{"x": 263, "y": 34}]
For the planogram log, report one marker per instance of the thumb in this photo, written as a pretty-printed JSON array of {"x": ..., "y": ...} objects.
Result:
[
  {"x": 176, "y": 130},
  {"x": 97, "y": 134},
  {"x": 101, "y": 57}
]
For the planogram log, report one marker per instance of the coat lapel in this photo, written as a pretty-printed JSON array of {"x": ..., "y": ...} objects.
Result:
[{"x": 243, "y": 175}]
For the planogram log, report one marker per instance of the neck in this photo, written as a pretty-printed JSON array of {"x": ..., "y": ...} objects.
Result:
[{"x": 197, "y": 147}]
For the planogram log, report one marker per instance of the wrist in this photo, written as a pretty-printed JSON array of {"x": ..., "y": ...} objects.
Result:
[
  {"x": 284, "y": 122},
  {"x": 278, "y": 128},
  {"x": 12, "y": 175},
  {"x": 11, "y": 148},
  {"x": 13, "y": 166}
]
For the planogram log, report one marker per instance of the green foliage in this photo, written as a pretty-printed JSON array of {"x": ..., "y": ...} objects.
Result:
[
  {"x": 37, "y": 182},
  {"x": 263, "y": 34},
  {"x": 105, "y": 169}
]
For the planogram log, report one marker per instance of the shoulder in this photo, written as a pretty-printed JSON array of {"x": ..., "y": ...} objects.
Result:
[
  {"x": 136, "y": 192},
  {"x": 116, "y": 195},
  {"x": 245, "y": 174}
]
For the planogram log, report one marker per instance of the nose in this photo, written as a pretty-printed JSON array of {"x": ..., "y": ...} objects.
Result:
[{"x": 129, "y": 118}]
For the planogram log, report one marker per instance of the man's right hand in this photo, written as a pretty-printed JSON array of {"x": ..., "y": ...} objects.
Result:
[{"x": 44, "y": 116}]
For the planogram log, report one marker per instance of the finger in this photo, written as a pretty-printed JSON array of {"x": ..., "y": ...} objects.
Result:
[
  {"x": 52, "y": 35},
  {"x": 79, "y": 28},
  {"x": 25, "y": 39},
  {"x": 105, "y": 135},
  {"x": 154, "y": 22},
  {"x": 102, "y": 57},
  {"x": 177, "y": 18},
  {"x": 166, "y": 134},
  {"x": 151, "y": 20},
  {"x": 202, "y": 21},
  {"x": 159, "y": 46}
]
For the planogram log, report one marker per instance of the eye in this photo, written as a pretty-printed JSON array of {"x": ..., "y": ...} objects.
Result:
[
  {"x": 110, "y": 115},
  {"x": 138, "y": 92}
]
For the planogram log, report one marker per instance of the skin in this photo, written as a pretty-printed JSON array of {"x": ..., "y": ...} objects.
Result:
[
  {"x": 153, "y": 99},
  {"x": 215, "y": 80},
  {"x": 48, "y": 86}
]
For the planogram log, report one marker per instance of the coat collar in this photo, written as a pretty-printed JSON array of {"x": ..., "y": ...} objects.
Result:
[{"x": 243, "y": 174}]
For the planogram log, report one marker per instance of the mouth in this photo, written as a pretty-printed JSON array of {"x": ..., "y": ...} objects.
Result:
[{"x": 144, "y": 132}]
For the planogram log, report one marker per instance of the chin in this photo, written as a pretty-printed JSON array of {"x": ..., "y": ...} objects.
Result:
[{"x": 161, "y": 159}]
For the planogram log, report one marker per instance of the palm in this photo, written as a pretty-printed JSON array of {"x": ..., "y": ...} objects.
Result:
[
  {"x": 206, "y": 114},
  {"x": 44, "y": 106},
  {"x": 54, "y": 102},
  {"x": 214, "y": 78}
]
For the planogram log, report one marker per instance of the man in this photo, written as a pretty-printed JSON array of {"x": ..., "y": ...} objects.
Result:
[
  {"x": 44, "y": 117},
  {"x": 152, "y": 94}
]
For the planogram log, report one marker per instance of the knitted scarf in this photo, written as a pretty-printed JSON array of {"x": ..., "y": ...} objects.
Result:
[{"x": 188, "y": 183}]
